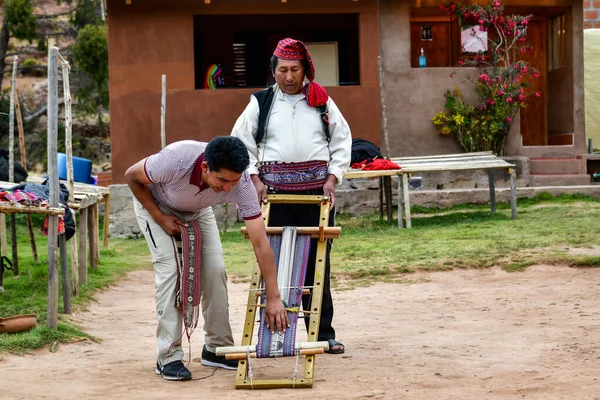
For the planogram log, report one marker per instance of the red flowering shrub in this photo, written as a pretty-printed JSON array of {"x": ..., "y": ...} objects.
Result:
[{"x": 502, "y": 83}]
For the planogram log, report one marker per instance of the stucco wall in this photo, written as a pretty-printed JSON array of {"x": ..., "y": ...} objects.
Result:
[
  {"x": 155, "y": 37},
  {"x": 413, "y": 96}
]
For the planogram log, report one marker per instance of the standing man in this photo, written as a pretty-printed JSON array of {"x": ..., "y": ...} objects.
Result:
[
  {"x": 299, "y": 143},
  {"x": 177, "y": 187}
]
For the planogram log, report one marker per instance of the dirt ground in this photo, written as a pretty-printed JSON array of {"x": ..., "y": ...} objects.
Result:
[{"x": 448, "y": 335}]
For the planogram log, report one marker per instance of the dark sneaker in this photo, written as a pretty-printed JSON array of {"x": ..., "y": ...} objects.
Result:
[
  {"x": 210, "y": 359},
  {"x": 174, "y": 371}
]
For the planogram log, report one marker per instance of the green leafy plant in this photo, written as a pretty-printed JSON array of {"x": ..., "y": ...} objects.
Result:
[
  {"x": 503, "y": 80},
  {"x": 90, "y": 54}
]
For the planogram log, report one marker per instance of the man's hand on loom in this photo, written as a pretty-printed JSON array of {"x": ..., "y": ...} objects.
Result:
[
  {"x": 276, "y": 315},
  {"x": 329, "y": 188},
  {"x": 261, "y": 189}
]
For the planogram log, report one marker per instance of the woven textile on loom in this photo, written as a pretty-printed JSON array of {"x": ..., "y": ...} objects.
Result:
[
  {"x": 290, "y": 279},
  {"x": 189, "y": 274}
]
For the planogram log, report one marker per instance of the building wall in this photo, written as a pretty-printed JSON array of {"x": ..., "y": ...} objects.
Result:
[
  {"x": 154, "y": 37},
  {"x": 413, "y": 96},
  {"x": 591, "y": 14}
]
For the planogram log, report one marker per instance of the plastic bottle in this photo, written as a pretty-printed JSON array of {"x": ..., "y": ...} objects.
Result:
[{"x": 422, "y": 59}]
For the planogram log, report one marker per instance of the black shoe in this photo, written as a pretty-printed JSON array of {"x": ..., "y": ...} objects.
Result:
[
  {"x": 210, "y": 359},
  {"x": 174, "y": 371}
]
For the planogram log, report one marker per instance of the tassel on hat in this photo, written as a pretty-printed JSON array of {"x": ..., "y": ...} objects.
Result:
[{"x": 294, "y": 50}]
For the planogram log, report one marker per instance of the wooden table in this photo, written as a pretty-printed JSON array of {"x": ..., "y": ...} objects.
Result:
[{"x": 449, "y": 162}]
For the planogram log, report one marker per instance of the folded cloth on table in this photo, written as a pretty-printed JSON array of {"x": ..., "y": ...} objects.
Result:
[{"x": 375, "y": 164}]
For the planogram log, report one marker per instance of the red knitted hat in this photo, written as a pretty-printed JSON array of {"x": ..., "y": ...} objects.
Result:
[{"x": 294, "y": 50}]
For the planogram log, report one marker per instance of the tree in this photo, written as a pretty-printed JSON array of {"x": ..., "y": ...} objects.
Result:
[
  {"x": 18, "y": 22},
  {"x": 90, "y": 54}
]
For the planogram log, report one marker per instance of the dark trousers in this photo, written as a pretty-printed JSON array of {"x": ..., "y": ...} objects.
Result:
[{"x": 308, "y": 215}]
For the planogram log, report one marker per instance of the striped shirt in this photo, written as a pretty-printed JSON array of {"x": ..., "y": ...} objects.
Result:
[{"x": 176, "y": 177}]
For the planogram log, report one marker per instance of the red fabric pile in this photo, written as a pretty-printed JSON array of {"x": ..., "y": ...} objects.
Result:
[{"x": 375, "y": 164}]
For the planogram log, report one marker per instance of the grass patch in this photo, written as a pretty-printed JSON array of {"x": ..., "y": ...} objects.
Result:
[
  {"x": 467, "y": 236},
  {"x": 27, "y": 293}
]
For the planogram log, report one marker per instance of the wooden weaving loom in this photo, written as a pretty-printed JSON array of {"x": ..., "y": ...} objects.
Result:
[{"x": 256, "y": 300}]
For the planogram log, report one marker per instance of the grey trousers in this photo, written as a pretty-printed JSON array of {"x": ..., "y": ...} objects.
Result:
[{"x": 215, "y": 305}]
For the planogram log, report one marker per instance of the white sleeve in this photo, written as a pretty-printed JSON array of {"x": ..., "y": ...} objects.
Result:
[
  {"x": 340, "y": 145},
  {"x": 245, "y": 128}
]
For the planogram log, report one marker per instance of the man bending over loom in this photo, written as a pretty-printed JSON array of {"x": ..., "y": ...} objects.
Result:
[{"x": 173, "y": 194}]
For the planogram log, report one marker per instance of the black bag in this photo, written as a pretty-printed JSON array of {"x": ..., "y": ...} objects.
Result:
[
  {"x": 362, "y": 150},
  {"x": 20, "y": 172}
]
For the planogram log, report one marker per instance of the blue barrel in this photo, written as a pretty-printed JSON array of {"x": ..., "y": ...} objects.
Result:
[{"x": 82, "y": 168}]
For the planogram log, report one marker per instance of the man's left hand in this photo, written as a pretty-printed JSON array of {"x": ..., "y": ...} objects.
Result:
[
  {"x": 329, "y": 188},
  {"x": 276, "y": 315}
]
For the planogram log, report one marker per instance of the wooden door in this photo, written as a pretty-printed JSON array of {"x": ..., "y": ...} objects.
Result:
[
  {"x": 534, "y": 125},
  {"x": 436, "y": 49}
]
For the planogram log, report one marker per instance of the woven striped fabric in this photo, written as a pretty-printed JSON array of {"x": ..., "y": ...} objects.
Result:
[
  {"x": 294, "y": 177},
  {"x": 276, "y": 344},
  {"x": 189, "y": 283}
]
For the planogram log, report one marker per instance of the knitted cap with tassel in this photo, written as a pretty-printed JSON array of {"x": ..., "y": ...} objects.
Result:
[{"x": 294, "y": 50}]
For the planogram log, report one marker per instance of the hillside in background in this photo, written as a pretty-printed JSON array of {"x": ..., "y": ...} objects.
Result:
[{"x": 91, "y": 134}]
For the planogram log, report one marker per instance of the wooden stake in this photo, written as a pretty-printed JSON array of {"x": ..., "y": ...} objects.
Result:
[
  {"x": 3, "y": 241},
  {"x": 11, "y": 165},
  {"x": 163, "y": 112},
  {"x": 21, "y": 131},
  {"x": 64, "y": 270},
  {"x": 106, "y": 219},
  {"x": 11, "y": 124},
  {"x": 24, "y": 164},
  {"x": 70, "y": 175},
  {"x": 92, "y": 220},
  {"x": 53, "y": 182},
  {"x": 83, "y": 223}
]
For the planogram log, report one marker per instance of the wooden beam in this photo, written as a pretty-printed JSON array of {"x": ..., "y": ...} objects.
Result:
[{"x": 507, "y": 3}]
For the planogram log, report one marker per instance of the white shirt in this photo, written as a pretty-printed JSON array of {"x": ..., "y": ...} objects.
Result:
[{"x": 294, "y": 133}]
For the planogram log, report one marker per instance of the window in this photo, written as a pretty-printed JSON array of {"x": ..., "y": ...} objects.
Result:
[
  {"x": 557, "y": 45},
  {"x": 242, "y": 45},
  {"x": 473, "y": 39}
]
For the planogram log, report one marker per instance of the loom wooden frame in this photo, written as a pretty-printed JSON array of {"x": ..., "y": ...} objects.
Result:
[{"x": 242, "y": 381}]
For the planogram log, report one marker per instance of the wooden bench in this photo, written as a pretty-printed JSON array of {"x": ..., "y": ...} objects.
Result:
[{"x": 448, "y": 162}]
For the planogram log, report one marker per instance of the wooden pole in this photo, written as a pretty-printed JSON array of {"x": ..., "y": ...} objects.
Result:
[
  {"x": 3, "y": 241},
  {"x": 53, "y": 181},
  {"x": 381, "y": 89},
  {"x": 11, "y": 124},
  {"x": 106, "y": 219},
  {"x": 83, "y": 217},
  {"x": 24, "y": 164},
  {"x": 21, "y": 131},
  {"x": 163, "y": 112},
  {"x": 11, "y": 165},
  {"x": 70, "y": 175},
  {"x": 64, "y": 271},
  {"x": 92, "y": 219}
]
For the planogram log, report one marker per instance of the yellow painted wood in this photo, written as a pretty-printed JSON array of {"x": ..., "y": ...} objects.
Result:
[{"x": 242, "y": 381}]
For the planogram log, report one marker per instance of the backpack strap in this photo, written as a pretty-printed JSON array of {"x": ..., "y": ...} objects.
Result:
[
  {"x": 323, "y": 110},
  {"x": 265, "y": 99}
]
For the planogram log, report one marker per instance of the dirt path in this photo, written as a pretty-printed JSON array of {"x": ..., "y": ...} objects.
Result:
[{"x": 451, "y": 335}]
